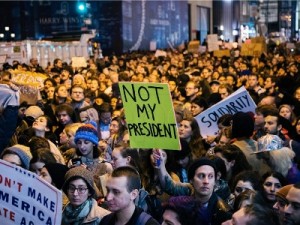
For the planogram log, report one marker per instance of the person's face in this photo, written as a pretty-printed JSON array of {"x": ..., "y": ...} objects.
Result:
[
  {"x": 105, "y": 117},
  {"x": 62, "y": 92},
  {"x": 230, "y": 80},
  {"x": 45, "y": 175},
  {"x": 204, "y": 181},
  {"x": 297, "y": 94},
  {"x": 292, "y": 210},
  {"x": 77, "y": 192},
  {"x": 77, "y": 94},
  {"x": 118, "y": 197},
  {"x": 223, "y": 140},
  {"x": 85, "y": 147},
  {"x": 50, "y": 92},
  {"x": 71, "y": 141},
  {"x": 13, "y": 159},
  {"x": 37, "y": 167},
  {"x": 77, "y": 81},
  {"x": 190, "y": 89},
  {"x": 271, "y": 126},
  {"x": 239, "y": 218},
  {"x": 114, "y": 127},
  {"x": 222, "y": 80},
  {"x": 196, "y": 109},
  {"x": 223, "y": 92},
  {"x": 279, "y": 206},
  {"x": 63, "y": 137},
  {"x": 285, "y": 112},
  {"x": 259, "y": 119},
  {"x": 242, "y": 186},
  {"x": 118, "y": 160},
  {"x": 94, "y": 85},
  {"x": 47, "y": 85},
  {"x": 64, "y": 118},
  {"x": 185, "y": 129},
  {"x": 252, "y": 81},
  {"x": 172, "y": 85},
  {"x": 40, "y": 124},
  {"x": 170, "y": 218},
  {"x": 214, "y": 88},
  {"x": 268, "y": 83},
  {"x": 64, "y": 75},
  {"x": 271, "y": 186},
  {"x": 205, "y": 73}
]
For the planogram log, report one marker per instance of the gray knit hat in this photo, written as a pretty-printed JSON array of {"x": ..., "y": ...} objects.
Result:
[
  {"x": 22, "y": 151},
  {"x": 79, "y": 172}
]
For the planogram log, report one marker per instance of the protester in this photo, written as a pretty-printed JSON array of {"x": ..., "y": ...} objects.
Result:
[{"x": 82, "y": 209}]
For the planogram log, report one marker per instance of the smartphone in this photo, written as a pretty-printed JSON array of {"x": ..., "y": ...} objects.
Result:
[{"x": 76, "y": 161}]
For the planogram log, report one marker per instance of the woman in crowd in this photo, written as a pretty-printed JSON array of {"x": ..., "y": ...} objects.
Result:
[
  {"x": 82, "y": 207},
  {"x": 272, "y": 182},
  {"x": 39, "y": 158},
  {"x": 287, "y": 112},
  {"x": 190, "y": 132},
  {"x": 88, "y": 154}
]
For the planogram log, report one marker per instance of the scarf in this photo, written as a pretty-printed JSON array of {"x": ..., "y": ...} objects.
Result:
[{"x": 76, "y": 216}]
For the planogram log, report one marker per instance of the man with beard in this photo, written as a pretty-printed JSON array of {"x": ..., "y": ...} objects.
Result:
[{"x": 292, "y": 209}]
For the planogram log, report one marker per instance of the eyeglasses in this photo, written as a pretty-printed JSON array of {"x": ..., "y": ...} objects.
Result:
[{"x": 80, "y": 190}]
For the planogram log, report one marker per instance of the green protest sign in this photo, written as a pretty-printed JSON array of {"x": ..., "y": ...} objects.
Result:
[{"x": 149, "y": 115}]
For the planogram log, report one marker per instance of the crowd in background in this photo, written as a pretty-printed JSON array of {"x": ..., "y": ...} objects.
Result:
[{"x": 75, "y": 137}]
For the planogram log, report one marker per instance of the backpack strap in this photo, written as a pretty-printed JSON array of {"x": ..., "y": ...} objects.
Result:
[{"x": 143, "y": 218}]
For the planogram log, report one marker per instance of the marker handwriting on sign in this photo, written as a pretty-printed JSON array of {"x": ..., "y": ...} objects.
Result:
[{"x": 142, "y": 93}]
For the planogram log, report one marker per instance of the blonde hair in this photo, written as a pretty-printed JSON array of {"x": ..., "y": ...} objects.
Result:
[
  {"x": 72, "y": 128},
  {"x": 293, "y": 116}
]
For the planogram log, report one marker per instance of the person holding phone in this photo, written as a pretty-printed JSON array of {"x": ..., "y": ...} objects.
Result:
[{"x": 88, "y": 155}]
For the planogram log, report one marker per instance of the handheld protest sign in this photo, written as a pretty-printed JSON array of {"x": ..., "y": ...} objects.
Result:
[
  {"x": 27, "y": 199},
  {"x": 149, "y": 115},
  {"x": 239, "y": 101}
]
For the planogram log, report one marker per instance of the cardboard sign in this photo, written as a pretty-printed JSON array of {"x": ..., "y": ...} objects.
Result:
[
  {"x": 193, "y": 46},
  {"x": 149, "y": 115},
  {"x": 29, "y": 84},
  {"x": 253, "y": 49},
  {"x": 221, "y": 53},
  {"x": 159, "y": 53},
  {"x": 27, "y": 199},
  {"x": 239, "y": 101},
  {"x": 78, "y": 62}
]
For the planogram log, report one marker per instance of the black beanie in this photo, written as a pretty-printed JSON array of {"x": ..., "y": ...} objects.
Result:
[
  {"x": 198, "y": 163},
  {"x": 242, "y": 125},
  {"x": 57, "y": 172}
]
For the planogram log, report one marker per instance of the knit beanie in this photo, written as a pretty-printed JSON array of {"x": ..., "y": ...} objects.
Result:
[
  {"x": 198, "y": 163},
  {"x": 34, "y": 111},
  {"x": 242, "y": 125},
  {"x": 57, "y": 172},
  {"x": 282, "y": 192},
  {"x": 87, "y": 132},
  {"x": 82, "y": 173},
  {"x": 22, "y": 151}
]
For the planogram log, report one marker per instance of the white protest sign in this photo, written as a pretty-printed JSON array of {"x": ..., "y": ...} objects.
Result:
[
  {"x": 239, "y": 101},
  {"x": 27, "y": 199},
  {"x": 212, "y": 42}
]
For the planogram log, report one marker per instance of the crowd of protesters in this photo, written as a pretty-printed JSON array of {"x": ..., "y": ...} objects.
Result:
[{"x": 75, "y": 137}]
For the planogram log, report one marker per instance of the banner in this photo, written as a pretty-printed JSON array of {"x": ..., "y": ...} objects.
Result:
[
  {"x": 239, "y": 101},
  {"x": 221, "y": 53},
  {"x": 27, "y": 199},
  {"x": 149, "y": 115}
]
